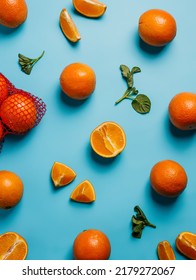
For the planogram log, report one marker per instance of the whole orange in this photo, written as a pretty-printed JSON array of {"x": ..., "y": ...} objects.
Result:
[
  {"x": 13, "y": 12},
  {"x": 78, "y": 80},
  {"x": 182, "y": 110},
  {"x": 11, "y": 189},
  {"x": 91, "y": 244},
  {"x": 18, "y": 112},
  {"x": 157, "y": 27},
  {"x": 168, "y": 178}
]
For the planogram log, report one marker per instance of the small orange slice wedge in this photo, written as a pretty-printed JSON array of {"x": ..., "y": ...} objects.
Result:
[
  {"x": 13, "y": 246},
  {"x": 108, "y": 139},
  {"x": 68, "y": 27},
  {"x": 62, "y": 174},
  {"x": 186, "y": 244},
  {"x": 165, "y": 251},
  {"x": 89, "y": 8},
  {"x": 84, "y": 192}
]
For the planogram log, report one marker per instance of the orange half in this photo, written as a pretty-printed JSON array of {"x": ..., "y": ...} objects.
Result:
[
  {"x": 68, "y": 27},
  {"x": 89, "y": 8},
  {"x": 165, "y": 251},
  {"x": 186, "y": 244},
  {"x": 84, "y": 192},
  {"x": 62, "y": 174},
  {"x": 13, "y": 246},
  {"x": 108, "y": 139}
]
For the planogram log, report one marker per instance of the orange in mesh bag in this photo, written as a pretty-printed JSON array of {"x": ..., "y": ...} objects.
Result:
[{"x": 20, "y": 111}]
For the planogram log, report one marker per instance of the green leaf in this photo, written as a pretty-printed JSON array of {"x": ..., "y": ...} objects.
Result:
[
  {"x": 130, "y": 80},
  {"x": 135, "y": 70},
  {"x": 125, "y": 70},
  {"x": 27, "y": 63},
  {"x": 141, "y": 104}
]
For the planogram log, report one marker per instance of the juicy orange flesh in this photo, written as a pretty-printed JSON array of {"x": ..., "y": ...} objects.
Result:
[
  {"x": 84, "y": 192},
  {"x": 68, "y": 26},
  {"x": 62, "y": 174},
  {"x": 186, "y": 244},
  {"x": 165, "y": 251},
  {"x": 91, "y": 8},
  {"x": 12, "y": 247}
]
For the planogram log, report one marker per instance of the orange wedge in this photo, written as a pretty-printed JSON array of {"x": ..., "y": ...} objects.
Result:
[
  {"x": 62, "y": 174},
  {"x": 13, "y": 246},
  {"x": 165, "y": 251},
  {"x": 186, "y": 244},
  {"x": 108, "y": 139},
  {"x": 89, "y": 8},
  {"x": 84, "y": 192},
  {"x": 68, "y": 26}
]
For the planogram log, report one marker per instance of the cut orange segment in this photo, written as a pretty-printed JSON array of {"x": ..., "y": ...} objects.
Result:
[
  {"x": 62, "y": 174},
  {"x": 84, "y": 192},
  {"x": 68, "y": 26},
  {"x": 89, "y": 8},
  {"x": 108, "y": 139},
  {"x": 13, "y": 246},
  {"x": 186, "y": 244},
  {"x": 165, "y": 251}
]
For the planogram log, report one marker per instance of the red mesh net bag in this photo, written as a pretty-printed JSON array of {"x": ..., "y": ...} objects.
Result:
[{"x": 20, "y": 111}]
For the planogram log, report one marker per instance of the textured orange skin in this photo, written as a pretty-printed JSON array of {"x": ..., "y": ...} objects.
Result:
[
  {"x": 186, "y": 244},
  {"x": 3, "y": 88},
  {"x": 11, "y": 189},
  {"x": 168, "y": 178},
  {"x": 182, "y": 111},
  {"x": 91, "y": 244},
  {"x": 13, "y": 12},
  {"x": 157, "y": 27},
  {"x": 78, "y": 81}
]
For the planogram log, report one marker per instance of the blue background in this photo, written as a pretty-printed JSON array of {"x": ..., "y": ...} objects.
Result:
[{"x": 46, "y": 217}]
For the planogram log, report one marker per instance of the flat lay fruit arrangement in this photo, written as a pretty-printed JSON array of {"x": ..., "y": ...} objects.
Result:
[{"x": 97, "y": 130}]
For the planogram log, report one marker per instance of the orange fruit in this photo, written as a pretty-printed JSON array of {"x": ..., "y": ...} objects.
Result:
[
  {"x": 78, "y": 80},
  {"x": 1, "y": 131},
  {"x": 108, "y": 139},
  {"x": 84, "y": 192},
  {"x": 157, "y": 27},
  {"x": 11, "y": 189},
  {"x": 89, "y": 8},
  {"x": 68, "y": 27},
  {"x": 165, "y": 251},
  {"x": 13, "y": 12},
  {"x": 182, "y": 111},
  {"x": 91, "y": 244},
  {"x": 168, "y": 178},
  {"x": 62, "y": 174},
  {"x": 186, "y": 244},
  {"x": 13, "y": 246},
  {"x": 18, "y": 113},
  {"x": 3, "y": 88}
]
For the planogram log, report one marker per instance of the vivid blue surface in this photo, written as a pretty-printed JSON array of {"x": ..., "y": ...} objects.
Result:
[{"x": 46, "y": 217}]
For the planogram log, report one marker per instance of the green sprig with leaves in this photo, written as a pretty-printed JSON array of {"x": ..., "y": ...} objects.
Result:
[
  {"x": 140, "y": 102},
  {"x": 139, "y": 222},
  {"x": 27, "y": 63}
]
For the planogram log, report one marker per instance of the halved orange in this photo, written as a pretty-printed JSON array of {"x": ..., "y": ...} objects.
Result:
[
  {"x": 84, "y": 192},
  {"x": 68, "y": 26},
  {"x": 165, "y": 251},
  {"x": 89, "y": 8},
  {"x": 186, "y": 244},
  {"x": 108, "y": 139},
  {"x": 62, "y": 174},
  {"x": 13, "y": 246}
]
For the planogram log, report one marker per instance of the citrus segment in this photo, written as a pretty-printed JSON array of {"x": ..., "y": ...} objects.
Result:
[
  {"x": 108, "y": 139},
  {"x": 165, "y": 251},
  {"x": 90, "y": 8},
  {"x": 68, "y": 27},
  {"x": 186, "y": 244},
  {"x": 62, "y": 174},
  {"x": 13, "y": 247},
  {"x": 84, "y": 192}
]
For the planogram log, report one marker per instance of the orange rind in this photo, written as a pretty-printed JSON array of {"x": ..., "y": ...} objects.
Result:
[
  {"x": 89, "y": 8},
  {"x": 186, "y": 244},
  {"x": 84, "y": 192},
  {"x": 68, "y": 26},
  {"x": 62, "y": 174},
  {"x": 165, "y": 251}
]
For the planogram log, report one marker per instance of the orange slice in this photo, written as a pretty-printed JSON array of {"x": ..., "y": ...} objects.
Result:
[
  {"x": 89, "y": 8},
  {"x": 186, "y": 244},
  {"x": 13, "y": 246},
  {"x": 108, "y": 139},
  {"x": 165, "y": 251},
  {"x": 84, "y": 192},
  {"x": 62, "y": 174},
  {"x": 68, "y": 26}
]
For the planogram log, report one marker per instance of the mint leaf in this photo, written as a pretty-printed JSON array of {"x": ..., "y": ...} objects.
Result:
[{"x": 141, "y": 104}]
